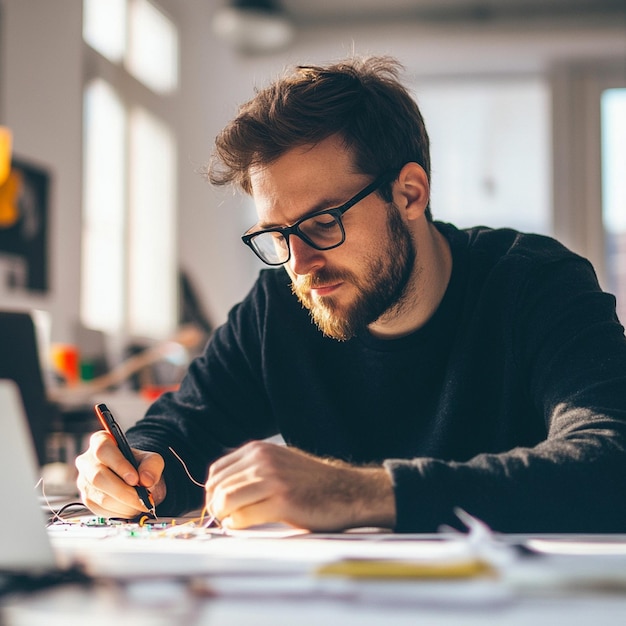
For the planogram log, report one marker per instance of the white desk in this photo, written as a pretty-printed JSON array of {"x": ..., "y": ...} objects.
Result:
[
  {"x": 170, "y": 607},
  {"x": 257, "y": 582}
]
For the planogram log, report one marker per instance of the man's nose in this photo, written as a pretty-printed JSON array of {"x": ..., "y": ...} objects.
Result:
[{"x": 304, "y": 259}]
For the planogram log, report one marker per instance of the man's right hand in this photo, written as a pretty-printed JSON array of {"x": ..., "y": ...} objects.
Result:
[{"x": 106, "y": 480}]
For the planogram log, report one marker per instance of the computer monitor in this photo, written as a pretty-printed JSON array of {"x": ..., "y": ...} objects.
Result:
[{"x": 20, "y": 361}]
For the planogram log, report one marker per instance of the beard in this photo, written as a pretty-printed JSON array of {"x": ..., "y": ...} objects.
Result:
[{"x": 380, "y": 288}]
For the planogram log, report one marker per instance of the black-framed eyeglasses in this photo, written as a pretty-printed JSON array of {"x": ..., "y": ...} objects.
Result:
[{"x": 323, "y": 230}]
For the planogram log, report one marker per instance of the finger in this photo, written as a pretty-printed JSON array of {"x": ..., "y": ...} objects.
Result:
[
  {"x": 264, "y": 512},
  {"x": 105, "y": 494},
  {"x": 105, "y": 450},
  {"x": 238, "y": 491},
  {"x": 105, "y": 507},
  {"x": 101, "y": 488},
  {"x": 251, "y": 452},
  {"x": 229, "y": 463},
  {"x": 227, "y": 473},
  {"x": 151, "y": 466},
  {"x": 254, "y": 454}
]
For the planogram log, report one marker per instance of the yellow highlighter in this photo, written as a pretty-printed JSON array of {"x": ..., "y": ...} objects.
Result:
[{"x": 399, "y": 569}]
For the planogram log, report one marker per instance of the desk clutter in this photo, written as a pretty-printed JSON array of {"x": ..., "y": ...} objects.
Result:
[{"x": 178, "y": 571}]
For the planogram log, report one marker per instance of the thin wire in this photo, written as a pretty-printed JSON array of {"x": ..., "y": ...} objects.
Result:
[
  {"x": 191, "y": 478},
  {"x": 211, "y": 519},
  {"x": 56, "y": 514}
]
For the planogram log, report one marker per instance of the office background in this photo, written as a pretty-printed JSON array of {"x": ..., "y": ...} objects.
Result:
[{"x": 546, "y": 64}]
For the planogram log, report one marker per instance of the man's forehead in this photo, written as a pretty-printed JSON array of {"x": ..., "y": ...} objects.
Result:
[
  {"x": 305, "y": 179},
  {"x": 325, "y": 157},
  {"x": 279, "y": 208}
]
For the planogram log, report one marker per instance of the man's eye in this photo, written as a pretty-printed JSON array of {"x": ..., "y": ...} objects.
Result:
[
  {"x": 323, "y": 219},
  {"x": 326, "y": 221},
  {"x": 320, "y": 226}
]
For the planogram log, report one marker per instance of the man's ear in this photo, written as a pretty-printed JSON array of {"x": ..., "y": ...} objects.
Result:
[{"x": 411, "y": 191}]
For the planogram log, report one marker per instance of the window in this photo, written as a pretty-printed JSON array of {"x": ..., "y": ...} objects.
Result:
[
  {"x": 613, "y": 119},
  {"x": 490, "y": 151},
  {"x": 129, "y": 260},
  {"x": 543, "y": 156},
  {"x": 136, "y": 34},
  {"x": 589, "y": 101},
  {"x": 153, "y": 47},
  {"x": 104, "y": 27},
  {"x": 151, "y": 249},
  {"x": 102, "y": 292}
]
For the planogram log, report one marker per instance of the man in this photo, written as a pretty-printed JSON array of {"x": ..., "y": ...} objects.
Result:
[{"x": 476, "y": 368}]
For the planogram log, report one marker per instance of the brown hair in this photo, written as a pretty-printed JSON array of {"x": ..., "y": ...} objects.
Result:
[{"x": 360, "y": 100}]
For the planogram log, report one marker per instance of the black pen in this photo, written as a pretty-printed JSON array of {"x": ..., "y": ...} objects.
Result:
[{"x": 112, "y": 427}]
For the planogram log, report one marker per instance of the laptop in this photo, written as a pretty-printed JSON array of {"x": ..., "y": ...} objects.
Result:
[{"x": 24, "y": 542}]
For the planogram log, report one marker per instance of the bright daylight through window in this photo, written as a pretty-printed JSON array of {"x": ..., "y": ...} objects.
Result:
[
  {"x": 614, "y": 192},
  {"x": 129, "y": 268}
]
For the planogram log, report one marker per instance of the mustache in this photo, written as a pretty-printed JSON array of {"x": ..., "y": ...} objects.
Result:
[{"x": 320, "y": 279}]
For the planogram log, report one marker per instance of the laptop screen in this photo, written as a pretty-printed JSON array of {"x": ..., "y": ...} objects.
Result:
[{"x": 24, "y": 541}]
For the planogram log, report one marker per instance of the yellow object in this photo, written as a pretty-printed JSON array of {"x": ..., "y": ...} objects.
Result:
[
  {"x": 9, "y": 196},
  {"x": 383, "y": 568},
  {"x": 6, "y": 141}
]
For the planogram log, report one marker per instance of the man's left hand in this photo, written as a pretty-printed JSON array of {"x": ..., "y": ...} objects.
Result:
[{"x": 262, "y": 482}]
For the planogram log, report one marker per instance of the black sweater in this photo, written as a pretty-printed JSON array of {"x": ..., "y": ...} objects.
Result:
[{"x": 510, "y": 402}]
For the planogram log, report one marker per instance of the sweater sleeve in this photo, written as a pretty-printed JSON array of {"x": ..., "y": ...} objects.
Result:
[
  {"x": 571, "y": 352},
  {"x": 221, "y": 404}
]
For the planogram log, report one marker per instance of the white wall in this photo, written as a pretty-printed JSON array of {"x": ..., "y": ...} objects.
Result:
[{"x": 41, "y": 101}]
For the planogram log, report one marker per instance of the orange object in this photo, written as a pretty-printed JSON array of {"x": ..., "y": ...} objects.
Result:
[
  {"x": 66, "y": 362},
  {"x": 6, "y": 142},
  {"x": 152, "y": 392}
]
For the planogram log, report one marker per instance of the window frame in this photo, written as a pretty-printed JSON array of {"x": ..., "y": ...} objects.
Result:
[{"x": 577, "y": 155}]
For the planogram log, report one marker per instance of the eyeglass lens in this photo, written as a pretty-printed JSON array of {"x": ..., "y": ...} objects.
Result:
[
  {"x": 271, "y": 247},
  {"x": 321, "y": 231}
]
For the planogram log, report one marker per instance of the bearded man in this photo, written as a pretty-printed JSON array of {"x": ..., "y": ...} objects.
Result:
[{"x": 479, "y": 368}]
